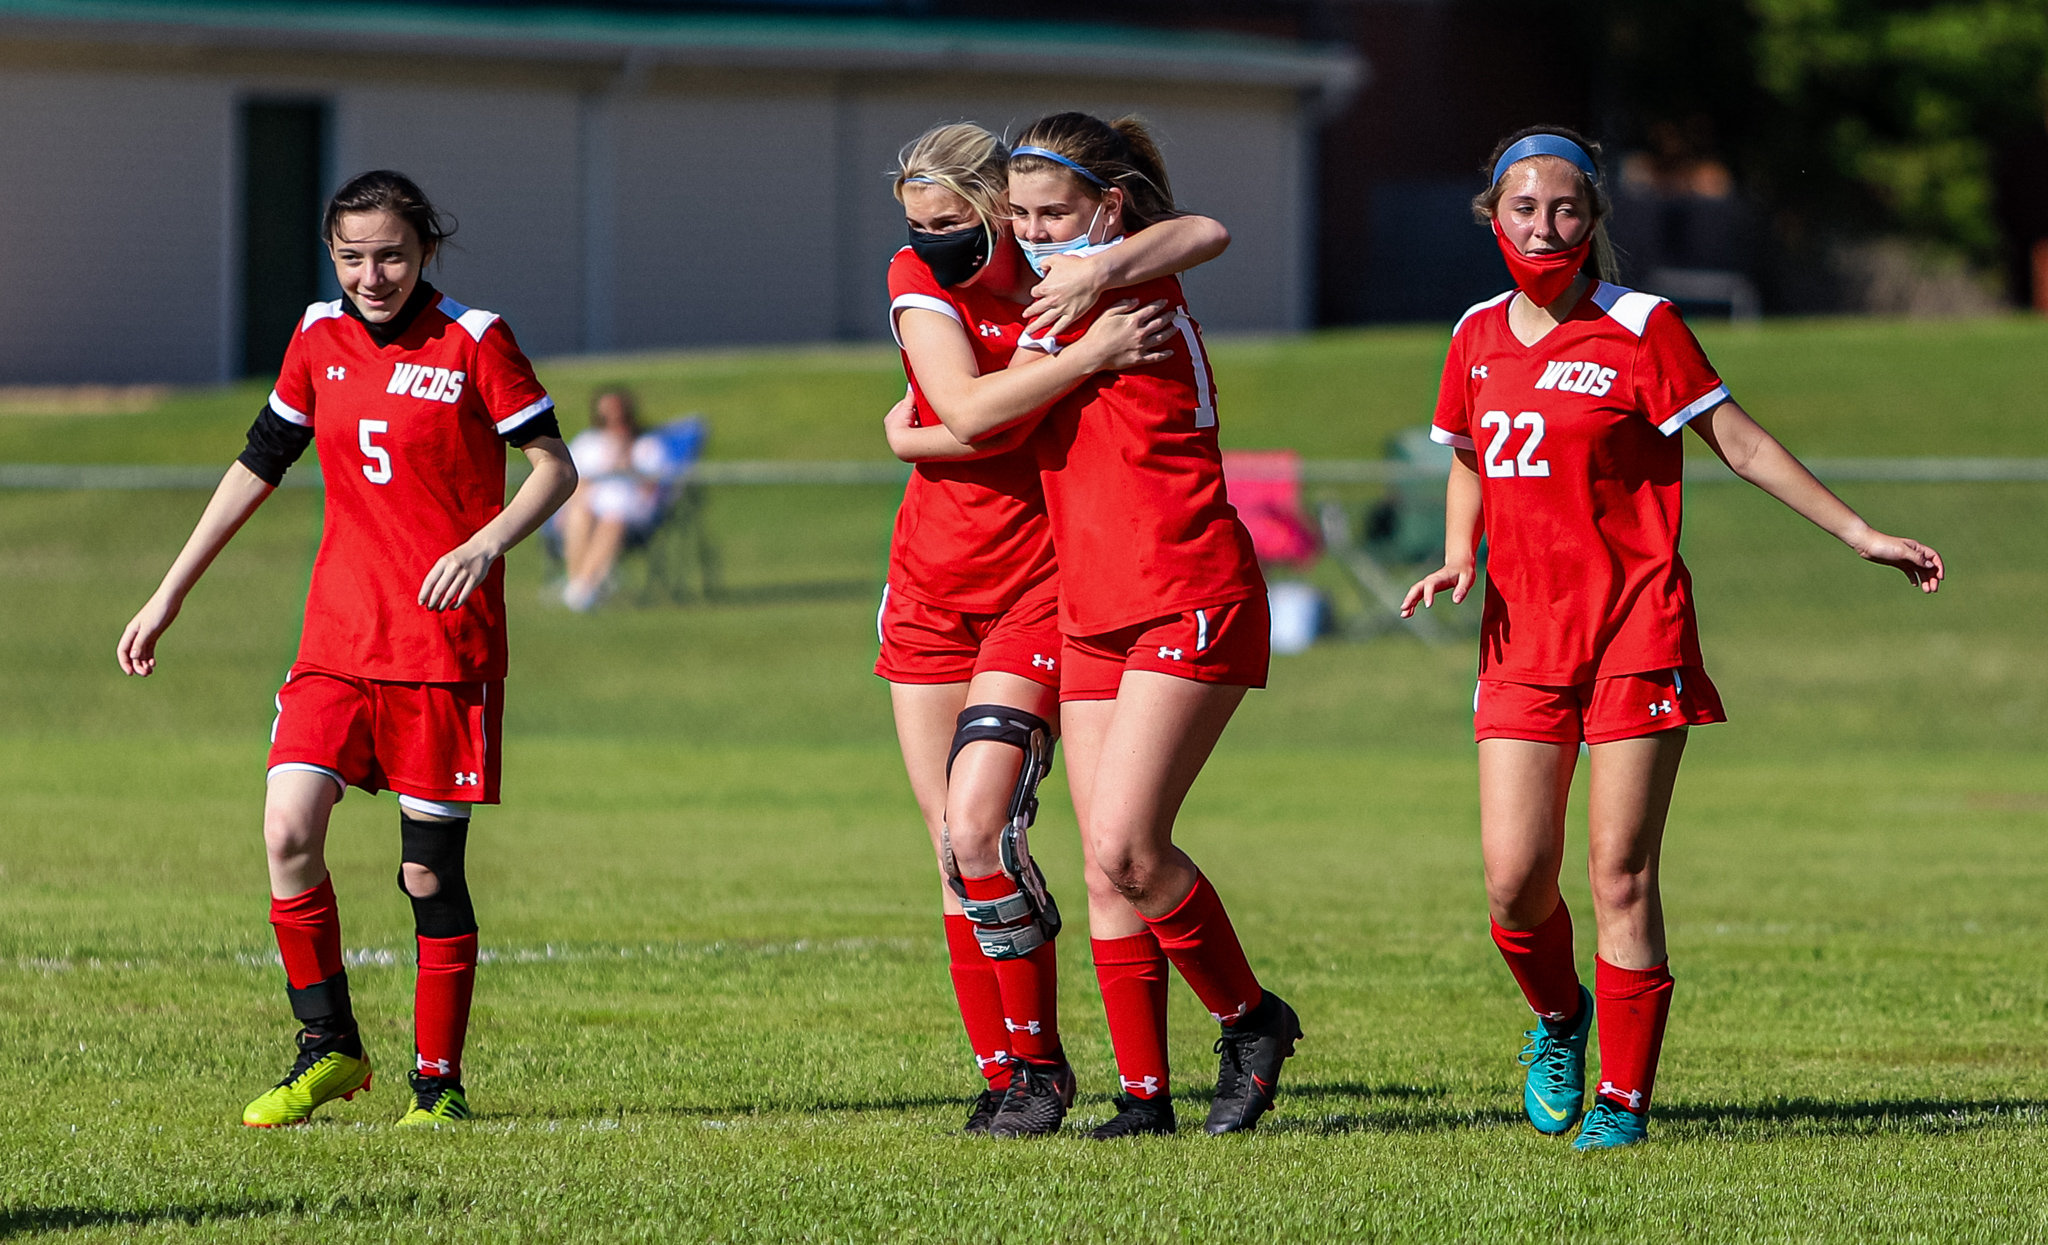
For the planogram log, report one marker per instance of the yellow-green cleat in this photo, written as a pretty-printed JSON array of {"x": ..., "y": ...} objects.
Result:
[
  {"x": 329, "y": 1066},
  {"x": 436, "y": 1101}
]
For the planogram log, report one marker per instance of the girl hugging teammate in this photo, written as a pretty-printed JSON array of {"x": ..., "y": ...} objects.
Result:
[
  {"x": 1164, "y": 627},
  {"x": 399, "y": 680},
  {"x": 1564, "y": 399},
  {"x": 969, "y": 629}
]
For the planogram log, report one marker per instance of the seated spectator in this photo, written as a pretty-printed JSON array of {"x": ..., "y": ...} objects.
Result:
[{"x": 623, "y": 476}]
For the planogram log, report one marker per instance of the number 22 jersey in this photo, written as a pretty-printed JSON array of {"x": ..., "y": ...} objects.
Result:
[
  {"x": 1580, "y": 467},
  {"x": 409, "y": 438}
]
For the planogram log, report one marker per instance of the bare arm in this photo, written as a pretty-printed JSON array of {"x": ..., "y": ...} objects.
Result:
[
  {"x": 461, "y": 569},
  {"x": 1461, "y": 539},
  {"x": 934, "y": 443},
  {"x": 1073, "y": 283},
  {"x": 972, "y": 406},
  {"x": 234, "y": 499},
  {"x": 1757, "y": 457}
]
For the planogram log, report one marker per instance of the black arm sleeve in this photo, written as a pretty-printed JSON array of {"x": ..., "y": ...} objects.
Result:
[
  {"x": 275, "y": 444},
  {"x": 542, "y": 425}
]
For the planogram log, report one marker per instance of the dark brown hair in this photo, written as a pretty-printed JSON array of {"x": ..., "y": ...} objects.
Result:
[
  {"x": 1601, "y": 264},
  {"x": 382, "y": 190},
  {"x": 1121, "y": 153}
]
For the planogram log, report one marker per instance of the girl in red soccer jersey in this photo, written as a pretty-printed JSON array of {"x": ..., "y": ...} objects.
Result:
[
  {"x": 399, "y": 680},
  {"x": 1564, "y": 399},
  {"x": 1163, "y": 614},
  {"x": 969, "y": 628}
]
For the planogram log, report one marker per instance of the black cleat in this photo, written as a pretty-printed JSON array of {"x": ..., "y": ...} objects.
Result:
[
  {"x": 1248, "y": 1070},
  {"x": 1137, "y": 1117},
  {"x": 984, "y": 1114},
  {"x": 1037, "y": 1101}
]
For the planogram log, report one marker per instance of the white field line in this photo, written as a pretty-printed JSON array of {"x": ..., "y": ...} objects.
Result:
[{"x": 547, "y": 953}]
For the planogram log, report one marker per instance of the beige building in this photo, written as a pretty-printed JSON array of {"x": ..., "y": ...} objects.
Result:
[{"x": 623, "y": 181}]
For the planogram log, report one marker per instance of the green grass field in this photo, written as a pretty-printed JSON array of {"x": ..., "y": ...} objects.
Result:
[{"x": 715, "y": 1005}]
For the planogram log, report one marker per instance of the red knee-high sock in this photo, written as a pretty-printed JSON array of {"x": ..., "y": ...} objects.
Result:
[
  {"x": 1541, "y": 960},
  {"x": 308, "y": 927},
  {"x": 1633, "y": 1004},
  {"x": 1132, "y": 974},
  {"x": 1029, "y": 985},
  {"x": 1198, "y": 938},
  {"x": 440, "y": 1015},
  {"x": 981, "y": 1001}
]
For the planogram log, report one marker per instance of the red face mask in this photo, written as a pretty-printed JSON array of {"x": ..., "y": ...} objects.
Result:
[{"x": 1544, "y": 277}]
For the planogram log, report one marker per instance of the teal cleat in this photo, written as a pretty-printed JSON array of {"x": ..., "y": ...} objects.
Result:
[
  {"x": 1554, "y": 1095},
  {"x": 1609, "y": 1124}
]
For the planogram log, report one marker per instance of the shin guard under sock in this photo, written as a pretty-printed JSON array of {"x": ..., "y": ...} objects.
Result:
[
  {"x": 1198, "y": 938},
  {"x": 440, "y": 1016},
  {"x": 981, "y": 1000},
  {"x": 1132, "y": 974},
  {"x": 1632, "y": 1005},
  {"x": 1541, "y": 960},
  {"x": 1029, "y": 985}
]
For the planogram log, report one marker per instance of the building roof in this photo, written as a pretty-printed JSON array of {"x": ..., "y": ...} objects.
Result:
[{"x": 641, "y": 39}]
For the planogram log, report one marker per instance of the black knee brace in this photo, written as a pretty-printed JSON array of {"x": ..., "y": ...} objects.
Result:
[
  {"x": 1027, "y": 918},
  {"x": 1026, "y": 732},
  {"x": 438, "y": 847}
]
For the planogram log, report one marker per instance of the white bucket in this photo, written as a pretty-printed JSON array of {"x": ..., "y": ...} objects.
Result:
[{"x": 1297, "y": 616}]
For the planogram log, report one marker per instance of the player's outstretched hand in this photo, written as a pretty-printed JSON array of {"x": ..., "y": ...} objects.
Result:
[
  {"x": 1920, "y": 564},
  {"x": 1128, "y": 335},
  {"x": 137, "y": 650},
  {"x": 1071, "y": 286},
  {"x": 454, "y": 577},
  {"x": 1456, "y": 580}
]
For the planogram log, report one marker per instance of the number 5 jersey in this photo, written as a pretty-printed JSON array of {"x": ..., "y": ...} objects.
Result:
[
  {"x": 1580, "y": 467},
  {"x": 411, "y": 419}
]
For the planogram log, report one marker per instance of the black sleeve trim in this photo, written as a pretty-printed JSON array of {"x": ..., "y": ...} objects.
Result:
[
  {"x": 542, "y": 425},
  {"x": 275, "y": 443}
]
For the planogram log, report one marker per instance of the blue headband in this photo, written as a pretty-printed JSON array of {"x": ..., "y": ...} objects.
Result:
[
  {"x": 1546, "y": 145},
  {"x": 1057, "y": 158}
]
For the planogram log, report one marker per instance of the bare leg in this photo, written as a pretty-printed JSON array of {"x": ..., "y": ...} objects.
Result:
[
  {"x": 576, "y": 524},
  {"x": 1085, "y": 724},
  {"x": 1630, "y": 797},
  {"x": 296, "y": 806},
  {"x": 600, "y": 554},
  {"x": 1523, "y": 785},
  {"x": 985, "y": 772},
  {"x": 925, "y": 716}
]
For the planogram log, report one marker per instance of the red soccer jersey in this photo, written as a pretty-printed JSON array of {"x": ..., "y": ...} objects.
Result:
[
  {"x": 1134, "y": 485},
  {"x": 1580, "y": 467},
  {"x": 410, "y": 451},
  {"x": 971, "y": 536}
]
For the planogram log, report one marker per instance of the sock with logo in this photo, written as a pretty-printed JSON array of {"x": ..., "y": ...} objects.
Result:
[
  {"x": 308, "y": 929},
  {"x": 1029, "y": 985},
  {"x": 981, "y": 1001},
  {"x": 440, "y": 1016},
  {"x": 1633, "y": 1004},
  {"x": 1198, "y": 938},
  {"x": 1541, "y": 960},
  {"x": 1132, "y": 974}
]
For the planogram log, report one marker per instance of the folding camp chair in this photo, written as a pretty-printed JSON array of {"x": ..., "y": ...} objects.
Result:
[{"x": 676, "y": 548}]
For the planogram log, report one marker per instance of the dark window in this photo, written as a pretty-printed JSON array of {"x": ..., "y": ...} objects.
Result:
[{"x": 283, "y": 169}]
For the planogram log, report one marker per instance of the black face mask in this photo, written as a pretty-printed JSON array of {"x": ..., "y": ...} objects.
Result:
[{"x": 953, "y": 257}]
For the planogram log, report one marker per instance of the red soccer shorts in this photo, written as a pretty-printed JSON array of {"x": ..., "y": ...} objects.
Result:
[
  {"x": 926, "y": 644},
  {"x": 1625, "y": 706},
  {"x": 431, "y": 741},
  {"x": 1230, "y": 644}
]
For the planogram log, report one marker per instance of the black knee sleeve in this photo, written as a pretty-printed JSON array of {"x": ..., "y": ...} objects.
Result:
[{"x": 438, "y": 846}]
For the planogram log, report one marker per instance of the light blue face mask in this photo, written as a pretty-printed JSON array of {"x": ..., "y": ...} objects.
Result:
[{"x": 1036, "y": 253}]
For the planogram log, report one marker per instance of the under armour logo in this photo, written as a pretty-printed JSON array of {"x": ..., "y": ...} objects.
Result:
[
  {"x": 1479, "y": 372},
  {"x": 999, "y": 1058},
  {"x": 1029, "y": 1026},
  {"x": 337, "y": 373},
  {"x": 436, "y": 1067},
  {"x": 988, "y": 330},
  {"x": 1660, "y": 706},
  {"x": 1041, "y": 662},
  {"x": 467, "y": 780},
  {"x": 1170, "y": 654},
  {"x": 1144, "y": 1088},
  {"x": 1634, "y": 1097}
]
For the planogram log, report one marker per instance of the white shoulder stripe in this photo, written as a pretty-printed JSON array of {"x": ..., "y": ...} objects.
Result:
[
  {"x": 1451, "y": 439},
  {"x": 1476, "y": 308},
  {"x": 1629, "y": 308},
  {"x": 1697, "y": 409},
  {"x": 289, "y": 413},
  {"x": 316, "y": 312},
  {"x": 525, "y": 413},
  {"x": 922, "y": 302},
  {"x": 473, "y": 322}
]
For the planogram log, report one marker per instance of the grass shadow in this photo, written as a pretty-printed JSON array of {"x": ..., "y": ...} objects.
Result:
[
  {"x": 1924, "y": 1116},
  {"x": 25, "y": 1220}
]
